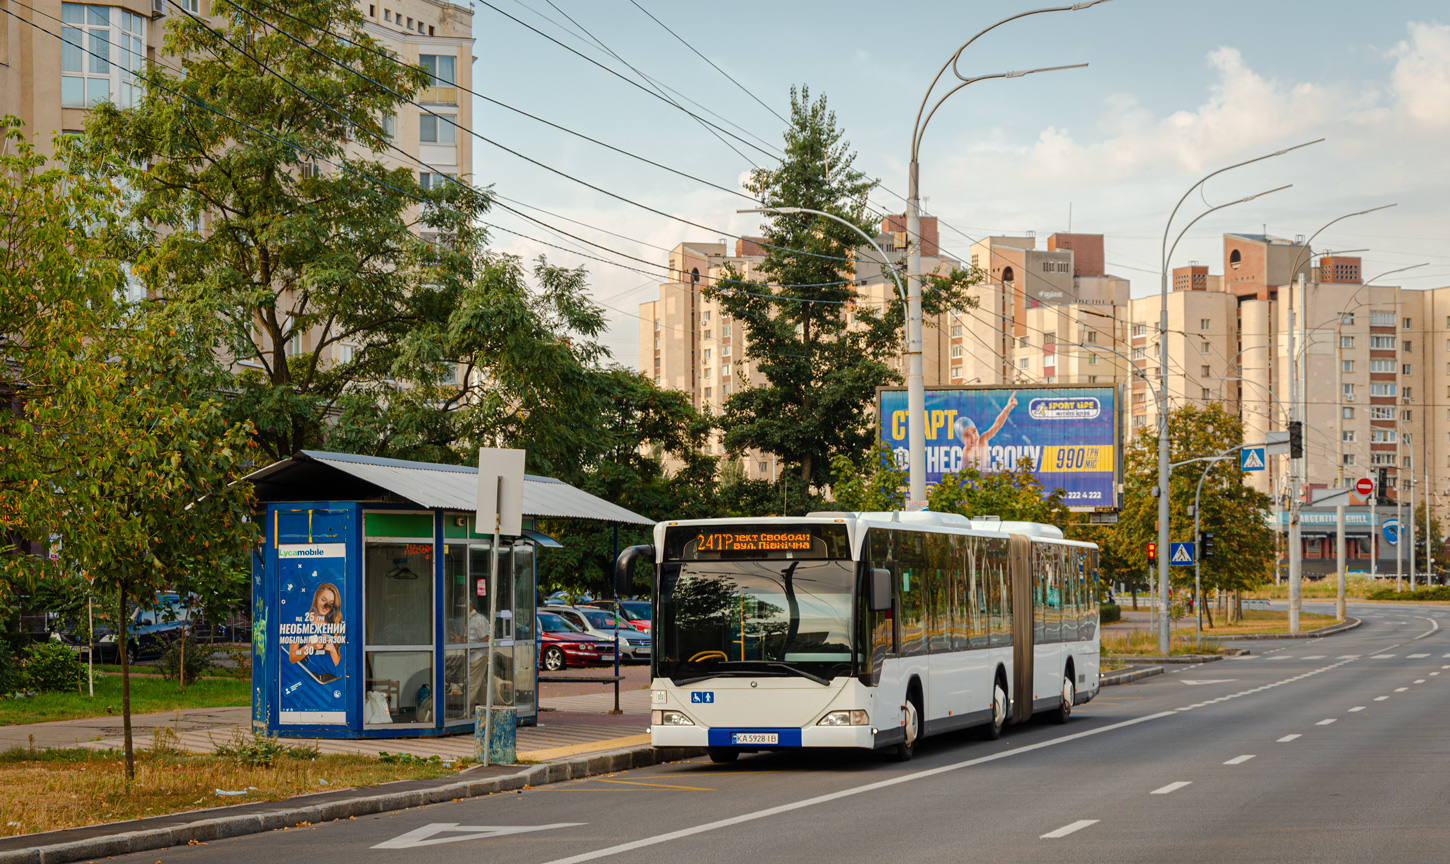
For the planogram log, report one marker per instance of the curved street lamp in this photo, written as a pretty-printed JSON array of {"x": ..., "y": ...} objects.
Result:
[{"x": 915, "y": 384}]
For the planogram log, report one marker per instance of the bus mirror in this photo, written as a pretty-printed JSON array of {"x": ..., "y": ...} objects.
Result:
[
  {"x": 623, "y": 565},
  {"x": 880, "y": 590}
]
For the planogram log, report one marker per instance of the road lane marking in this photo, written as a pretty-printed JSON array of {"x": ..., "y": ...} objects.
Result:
[
  {"x": 1381, "y": 656},
  {"x": 1281, "y": 657},
  {"x": 1348, "y": 657},
  {"x": 659, "y": 785},
  {"x": 1434, "y": 625},
  {"x": 1068, "y": 829},
  {"x": 424, "y": 836},
  {"x": 1419, "y": 680},
  {"x": 1171, "y": 787},
  {"x": 1196, "y": 682},
  {"x": 1380, "y": 698},
  {"x": 1288, "y": 738},
  {"x": 1356, "y": 708},
  {"x": 1239, "y": 760},
  {"x": 1326, "y": 722},
  {"x": 1312, "y": 657},
  {"x": 1417, "y": 656},
  {"x": 744, "y": 818},
  {"x": 1401, "y": 689},
  {"x": 1432, "y": 674}
]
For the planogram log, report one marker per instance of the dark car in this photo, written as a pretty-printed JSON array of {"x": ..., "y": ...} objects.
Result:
[
  {"x": 561, "y": 645},
  {"x": 154, "y": 627}
]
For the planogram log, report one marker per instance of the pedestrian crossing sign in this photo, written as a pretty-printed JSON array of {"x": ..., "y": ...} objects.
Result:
[
  {"x": 1251, "y": 459},
  {"x": 1180, "y": 554}
]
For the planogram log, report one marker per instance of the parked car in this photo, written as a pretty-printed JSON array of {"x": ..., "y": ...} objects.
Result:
[
  {"x": 633, "y": 644},
  {"x": 636, "y": 612},
  {"x": 561, "y": 645},
  {"x": 155, "y": 626}
]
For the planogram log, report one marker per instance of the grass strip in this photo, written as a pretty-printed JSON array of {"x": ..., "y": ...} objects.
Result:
[
  {"x": 148, "y": 696},
  {"x": 47, "y": 790}
]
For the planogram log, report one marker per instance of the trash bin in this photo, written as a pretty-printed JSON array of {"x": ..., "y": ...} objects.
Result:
[{"x": 495, "y": 743}]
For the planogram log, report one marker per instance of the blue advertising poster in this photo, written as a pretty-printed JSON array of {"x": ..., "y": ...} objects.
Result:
[
  {"x": 1069, "y": 434},
  {"x": 313, "y": 633}
]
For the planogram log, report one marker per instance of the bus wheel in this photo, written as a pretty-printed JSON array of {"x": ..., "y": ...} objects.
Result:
[
  {"x": 722, "y": 754},
  {"x": 1069, "y": 695},
  {"x": 993, "y": 730},
  {"x": 905, "y": 749}
]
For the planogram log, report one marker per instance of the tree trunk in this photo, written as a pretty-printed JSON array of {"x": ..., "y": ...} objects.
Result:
[{"x": 125, "y": 685}]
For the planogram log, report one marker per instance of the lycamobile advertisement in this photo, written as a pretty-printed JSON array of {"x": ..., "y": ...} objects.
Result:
[
  {"x": 1068, "y": 434},
  {"x": 313, "y": 633}
]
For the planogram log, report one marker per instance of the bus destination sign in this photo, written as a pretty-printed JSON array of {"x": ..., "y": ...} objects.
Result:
[
  {"x": 755, "y": 541},
  {"x": 716, "y": 542}
]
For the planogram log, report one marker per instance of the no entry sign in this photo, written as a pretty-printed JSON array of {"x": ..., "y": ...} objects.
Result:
[{"x": 1364, "y": 487}]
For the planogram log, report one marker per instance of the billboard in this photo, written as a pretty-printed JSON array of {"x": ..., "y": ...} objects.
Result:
[{"x": 1070, "y": 434}]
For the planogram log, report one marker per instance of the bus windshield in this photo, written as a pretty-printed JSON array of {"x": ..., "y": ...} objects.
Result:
[{"x": 755, "y": 617}]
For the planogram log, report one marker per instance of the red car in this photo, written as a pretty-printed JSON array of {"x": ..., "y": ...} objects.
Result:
[
  {"x": 561, "y": 645},
  {"x": 636, "y": 612}
]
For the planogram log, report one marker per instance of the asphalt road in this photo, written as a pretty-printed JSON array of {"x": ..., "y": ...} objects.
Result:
[{"x": 1334, "y": 749}]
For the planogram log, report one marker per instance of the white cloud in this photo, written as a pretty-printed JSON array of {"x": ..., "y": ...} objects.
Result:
[{"x": 1422, "y": 74}]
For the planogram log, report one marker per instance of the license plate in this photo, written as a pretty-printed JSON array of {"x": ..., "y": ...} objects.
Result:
[
  {"x": 609, "y": 657},
  {"x": 756, "y": 738}
]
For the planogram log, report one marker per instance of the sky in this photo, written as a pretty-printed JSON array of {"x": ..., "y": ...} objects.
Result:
[{"x": 1173, "y": 90}]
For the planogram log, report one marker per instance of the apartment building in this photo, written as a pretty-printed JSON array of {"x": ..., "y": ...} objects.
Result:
[{"x": 688, "y": 343}]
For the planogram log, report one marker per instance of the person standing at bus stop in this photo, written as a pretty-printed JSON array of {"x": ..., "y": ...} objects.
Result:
[{"x": 975, "y": 450}]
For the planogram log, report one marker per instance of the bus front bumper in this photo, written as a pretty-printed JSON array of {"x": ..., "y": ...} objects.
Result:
[{"x": 763, "y": 738}]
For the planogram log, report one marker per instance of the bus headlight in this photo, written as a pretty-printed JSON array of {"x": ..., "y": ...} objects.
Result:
[
  {"x": 845, "y": 718},
  {"x": 670, "y": 718}
]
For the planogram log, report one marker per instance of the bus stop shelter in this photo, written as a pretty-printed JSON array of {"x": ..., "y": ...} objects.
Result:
[{"x": 370, "y": 596}]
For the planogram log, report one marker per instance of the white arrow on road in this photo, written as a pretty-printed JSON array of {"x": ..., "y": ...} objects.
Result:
[
  {"x": 1207, "y": 681},
  {"x": 425, "y": 836}
]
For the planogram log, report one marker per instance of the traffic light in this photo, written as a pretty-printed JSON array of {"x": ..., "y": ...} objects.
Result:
[
  {"x": 1152, "y": 552},
  {"x": 1205, "y": 545},
  {"x": 1296, "y": 439}
]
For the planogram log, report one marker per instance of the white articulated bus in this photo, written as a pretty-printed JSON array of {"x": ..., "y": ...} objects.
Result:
[{"x": 866, "y": 630}]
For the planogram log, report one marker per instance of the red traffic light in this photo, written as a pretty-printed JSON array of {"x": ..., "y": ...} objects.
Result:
[{"x": 1152, "y": 552}]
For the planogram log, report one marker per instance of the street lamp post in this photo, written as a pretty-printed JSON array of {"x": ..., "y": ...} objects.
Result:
[
  {"x": 1340, "y": 602},
  {"x": 1296, "y": 464},
  {"x": 1164, "y": 468},
  {"x": 915, "y": 384}
]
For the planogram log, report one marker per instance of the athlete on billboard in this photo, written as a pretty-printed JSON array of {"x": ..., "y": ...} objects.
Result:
[
  {"x": 319, "y": 656},
  {"x": 975, "y": 450}
]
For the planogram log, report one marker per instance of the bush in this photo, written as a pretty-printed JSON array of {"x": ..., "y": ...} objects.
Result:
[
  {"x": 1439, "y": 592},
  {"x": 1109, "y": 612},
  {"x": 192, "y": 661},
  {"x": 50, "y": 667}
]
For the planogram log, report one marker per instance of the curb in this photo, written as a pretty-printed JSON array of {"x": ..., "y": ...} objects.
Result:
[
  {"x": 217, "y": 828},
  {"x": 1121, "y": 677},
  {"x": 1184, "y": 659},
  {"x": 1331, "y": 630}
]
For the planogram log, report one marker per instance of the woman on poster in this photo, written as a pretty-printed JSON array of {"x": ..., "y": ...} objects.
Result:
[{"x": 318, "y": 654}]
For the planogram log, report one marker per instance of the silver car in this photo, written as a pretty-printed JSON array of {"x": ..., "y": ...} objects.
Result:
[{"x": 633, "y": 644}]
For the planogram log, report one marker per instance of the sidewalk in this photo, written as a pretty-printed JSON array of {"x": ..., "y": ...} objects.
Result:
[{"x": 574, "y": 719}]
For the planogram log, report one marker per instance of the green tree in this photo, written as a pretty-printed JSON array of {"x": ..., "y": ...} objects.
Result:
[
  {"x": 822, "y": 354},
  {"x": 320, "y": 276},
  {"x": 1236, "y": 514},
  {"x": 877, "y": 484},
  {"x": 108, "y": 449},
  {"x": 1013, "y": 496},
  {"x": 1430, "y": 546}
]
